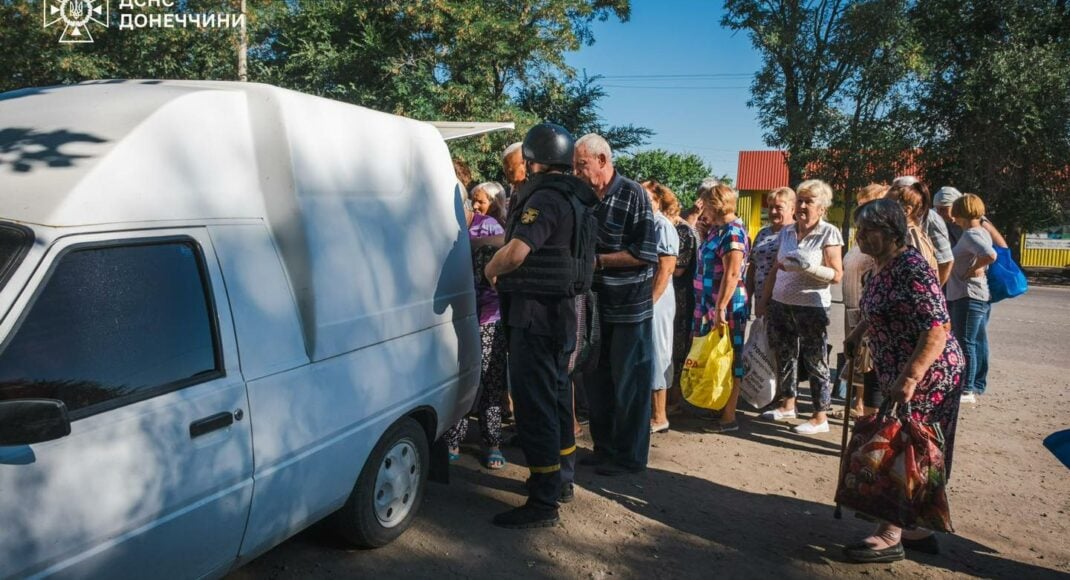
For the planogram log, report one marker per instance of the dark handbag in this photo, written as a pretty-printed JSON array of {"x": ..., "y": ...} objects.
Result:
[
  {"x": 588, "y": 333},
  {"x": 1005, "y": 278},
  {"x": 893, "y": 469}
]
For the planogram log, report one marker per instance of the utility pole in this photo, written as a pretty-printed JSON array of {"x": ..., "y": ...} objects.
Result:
[{"x": 243, "y": 48}]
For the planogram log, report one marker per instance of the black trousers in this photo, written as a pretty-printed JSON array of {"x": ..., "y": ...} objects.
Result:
[
  {"x": 618, "y": 391},
  {"x": 542, "y": 404}
]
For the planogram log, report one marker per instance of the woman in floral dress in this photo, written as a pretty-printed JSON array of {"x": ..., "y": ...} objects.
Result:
[{"x": 917, "y": 359}]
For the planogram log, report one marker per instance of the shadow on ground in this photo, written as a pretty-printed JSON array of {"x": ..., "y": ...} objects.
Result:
[{"x": 672, "y": 526}]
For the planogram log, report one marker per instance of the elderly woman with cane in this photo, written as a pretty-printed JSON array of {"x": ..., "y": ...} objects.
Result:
[{"x": 917, "y": 359}]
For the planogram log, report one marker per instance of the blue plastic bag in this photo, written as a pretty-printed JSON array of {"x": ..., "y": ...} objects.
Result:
[{"x": 1005, "y": 278}]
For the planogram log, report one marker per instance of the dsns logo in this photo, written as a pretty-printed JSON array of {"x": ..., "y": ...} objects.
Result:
[{"x": 75, "y": 16}]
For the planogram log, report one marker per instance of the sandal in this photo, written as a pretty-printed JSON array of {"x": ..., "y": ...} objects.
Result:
[
  {"x": 838, "y": 414},
  {"x": 494, "y": 459},
  {"x": 722, "y": 428}
]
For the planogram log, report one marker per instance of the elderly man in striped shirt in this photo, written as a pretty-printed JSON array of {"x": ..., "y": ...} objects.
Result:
[{"x": 618, "y": 388}]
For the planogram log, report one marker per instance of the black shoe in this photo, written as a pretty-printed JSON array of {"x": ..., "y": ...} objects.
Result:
[
  {"x": 616, "y": 470},
  {"x": 594, "y": 460},
  {"x": 568, "y": 493},
  {"x": 862, "y": 553},
  {"x": 926, "y": 545},
  {"x": 525, "y": 517}
]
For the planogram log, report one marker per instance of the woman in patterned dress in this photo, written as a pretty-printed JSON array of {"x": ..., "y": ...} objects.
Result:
[
  {"x": 684, "y": 288},
  {"x": 492, "y": 337},
  {"x": 720, "y": 294},
  {"x": 781, "y": 205},
  {"x": 917, "y": 359}
]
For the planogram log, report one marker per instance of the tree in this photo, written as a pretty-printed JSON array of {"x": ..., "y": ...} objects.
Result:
[
  {"x": 810, "y": 51},
  {"x": 426, "y": 59},
  {"x": 34, "y": 57},
  {"x": 993, "y": 109},
  {"x": 680, "y": 172},
  {"x": 573, "y": 104},
  {"x": 435, "y": 59},
  {"x": 870, "y": 138}
]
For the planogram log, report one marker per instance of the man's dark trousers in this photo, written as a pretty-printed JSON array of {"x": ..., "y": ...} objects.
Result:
[
  {"x": 618, "y": 391},
  {"x": 542, "y": 397}
]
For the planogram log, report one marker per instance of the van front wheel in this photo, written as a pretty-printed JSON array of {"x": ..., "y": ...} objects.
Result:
[{"x": 388, "y": 492}]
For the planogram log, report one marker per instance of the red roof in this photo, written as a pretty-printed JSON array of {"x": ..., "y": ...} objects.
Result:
[
  {"x": 768, "y": 170},
  {"x": 762, "y": 170}
]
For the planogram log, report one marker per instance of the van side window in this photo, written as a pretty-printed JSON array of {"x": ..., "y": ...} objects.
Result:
[{"x": 114, "y": 325}]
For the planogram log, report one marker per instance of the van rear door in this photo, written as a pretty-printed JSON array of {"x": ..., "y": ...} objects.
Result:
[{"x": 133, "y": 333}]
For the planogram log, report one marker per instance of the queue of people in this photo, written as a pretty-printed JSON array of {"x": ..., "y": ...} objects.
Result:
[{"x": 913, "y": 285}]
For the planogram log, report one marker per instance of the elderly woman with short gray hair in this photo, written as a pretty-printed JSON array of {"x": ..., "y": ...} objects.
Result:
[{"x": 797, "y": 298}]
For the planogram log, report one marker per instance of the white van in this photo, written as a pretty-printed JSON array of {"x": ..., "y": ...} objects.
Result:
[{"x": 226, "y": 311}]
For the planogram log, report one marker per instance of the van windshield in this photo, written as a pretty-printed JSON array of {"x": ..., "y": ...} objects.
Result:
[{"x": 14, "y": 241}]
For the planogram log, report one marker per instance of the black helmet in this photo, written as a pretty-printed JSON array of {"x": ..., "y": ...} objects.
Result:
[{"x": 548, "y": 144}]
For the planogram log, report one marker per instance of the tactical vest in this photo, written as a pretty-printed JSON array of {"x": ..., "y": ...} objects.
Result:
[{"x": 565, "y": 270}]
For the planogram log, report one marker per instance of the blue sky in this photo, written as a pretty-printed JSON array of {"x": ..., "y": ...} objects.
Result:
[{"x": 688, "y": 115}]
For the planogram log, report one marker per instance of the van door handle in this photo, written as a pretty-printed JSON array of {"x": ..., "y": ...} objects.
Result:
[{"x": 209, "y": 424}]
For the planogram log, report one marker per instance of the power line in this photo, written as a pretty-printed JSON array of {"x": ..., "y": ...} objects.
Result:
[
  {"x": 673, "y": 88},
  {"x": 691, "y": 76}
]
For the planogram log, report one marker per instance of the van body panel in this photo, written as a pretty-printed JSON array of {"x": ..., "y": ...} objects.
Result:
[
  {"x": 339, "y": 186},
  {"x": 315, "y": 426},
  {"x": 128, "y": 493},
  {"x": 340, "y": 270},
  {"x": 265, "y": 315}
]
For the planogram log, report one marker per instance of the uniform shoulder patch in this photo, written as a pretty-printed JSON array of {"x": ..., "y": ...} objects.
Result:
[{"x": 529, "y": 216}]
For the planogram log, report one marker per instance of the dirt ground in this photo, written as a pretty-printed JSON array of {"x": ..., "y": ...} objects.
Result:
[{"x": 759, "y": 503}]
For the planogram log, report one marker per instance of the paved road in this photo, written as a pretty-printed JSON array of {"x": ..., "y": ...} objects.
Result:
[{"x": 758, "y": 504}]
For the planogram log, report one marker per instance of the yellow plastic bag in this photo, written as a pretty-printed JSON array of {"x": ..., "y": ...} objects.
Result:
[{"x": 706, "y": 380}]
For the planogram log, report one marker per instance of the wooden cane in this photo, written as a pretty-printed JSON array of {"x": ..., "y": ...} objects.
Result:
[{"x": 850, "y": 364}]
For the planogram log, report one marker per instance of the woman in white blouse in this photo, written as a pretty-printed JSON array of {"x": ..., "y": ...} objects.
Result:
[{"x": 796, "y": 297}]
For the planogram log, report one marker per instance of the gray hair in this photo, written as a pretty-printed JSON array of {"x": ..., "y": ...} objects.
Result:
[
  {"x": 819, "y": 189},
  {"x": 511, "y": 149},
  {"x": 885, "y": 215},
  {"x": 904, "y": 181},
  {"x": 595, "y": 144},
  {"x": 493, "y": 189}
]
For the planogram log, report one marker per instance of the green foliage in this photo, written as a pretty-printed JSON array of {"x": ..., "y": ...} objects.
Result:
[
  {"x": 680, "y": 172},
  {"x": 574, "y": 104},
  {"x": 426, "y": 59},
  {"x": 811, "y": 51},
  {"x": 979, "y": 91},
  {"x": 442, "y": 59},
  {"x": 993, "y": 110}
]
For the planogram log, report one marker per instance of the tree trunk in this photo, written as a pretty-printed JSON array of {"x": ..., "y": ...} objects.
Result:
[{"x": 243, "y": 49}]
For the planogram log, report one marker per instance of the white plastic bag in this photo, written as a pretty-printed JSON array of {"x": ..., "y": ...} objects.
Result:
[{"x": 759, "y": 372}]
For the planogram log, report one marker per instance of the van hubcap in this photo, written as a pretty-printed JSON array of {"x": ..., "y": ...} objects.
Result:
[{"x": 395, "y": 486}]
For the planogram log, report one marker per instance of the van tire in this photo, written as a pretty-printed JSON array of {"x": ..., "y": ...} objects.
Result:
[{"x": 390, "y": 489}]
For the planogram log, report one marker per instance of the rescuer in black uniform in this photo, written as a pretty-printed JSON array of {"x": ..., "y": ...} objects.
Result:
[{"x": 531, "y": 273}]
